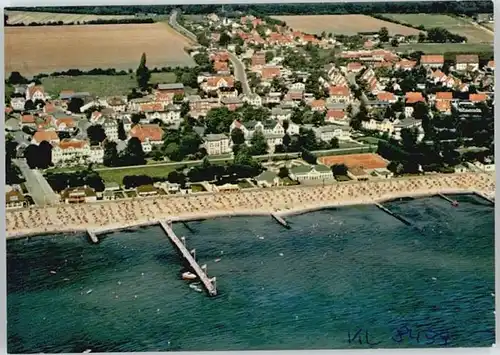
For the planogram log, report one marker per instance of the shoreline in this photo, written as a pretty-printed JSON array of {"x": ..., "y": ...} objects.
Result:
[{"x": 200, "y": 216}]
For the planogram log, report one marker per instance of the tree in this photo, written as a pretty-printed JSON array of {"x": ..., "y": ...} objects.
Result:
[
  {"x": 286, "y": 141},
  {"x": 409, "y": 138},
  {"x": 394, "y": 42},
  {"x": 224, "y": 39},
  {"x": 308, "y": 157},
  {"x": 218, "y": 120},
  {"x": 422, "y": 37},
  {"x": 74, "y": 104},
  {"x": 173, "y": 152},
  {"x": 121, "y": 131},
  {"x": 134, "y": 154},
  {"x": 15, "y": 78},
  {"x": 238, "y": 50},
  {"x": 29, "y": 105},
  {"x": 110, "y": 154},
  {"x": 334, "y": 143},
  {"x": 142, "y": 73},
  {"x": 286, "y": 125},
  {"x": 339, "y": 169},
  {"x": 269, "y": 56},
  {"x": 383, "y": 35},
  {"x": 137, "y": 117},
  {"x": 259, "y": 143},
  {"x": 44, "y": 155},
  {"x": 237, "y": 136},
  {"x": 283, "y": 172},
  {"x": 96, "y": 134}
]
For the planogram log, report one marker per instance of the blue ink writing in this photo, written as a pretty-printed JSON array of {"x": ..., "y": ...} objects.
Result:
[{"x": 361, "y": 336}]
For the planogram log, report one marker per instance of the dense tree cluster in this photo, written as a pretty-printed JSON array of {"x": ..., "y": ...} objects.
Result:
[
  {"x": 90, "y": 22},
  {"x": 87, "y": 177},
  {"x": 456, "y": 7}
]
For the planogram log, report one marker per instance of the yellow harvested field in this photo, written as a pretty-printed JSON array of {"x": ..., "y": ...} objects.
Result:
[
  {"x": 27, "y": 17},
  {"x": 33, "y": 50},
  {"x": 343, "y": 24}
]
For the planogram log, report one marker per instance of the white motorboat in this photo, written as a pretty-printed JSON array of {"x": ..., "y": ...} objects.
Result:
[
  {"x": 89, "y": 291},
  {"x": 188, "y": 276},
  {"x": 217, "y": 260}
]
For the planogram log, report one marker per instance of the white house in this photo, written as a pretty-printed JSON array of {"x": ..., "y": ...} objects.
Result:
[
  {"x": 253, "y": 100},
  {"x": 17, "y": 103},
  {"x": 35, "y": 92},
  {"x": 311, "y": 173},
  {"x": 216, "y": 144},
  {"x": 376, "y": 125},
  {"x": 328, "y": 132},
  {"x": 280, "y": 114},
  {"x": 110, "y": 127}
]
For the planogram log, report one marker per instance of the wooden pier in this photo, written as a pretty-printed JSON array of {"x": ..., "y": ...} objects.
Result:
[
  {"x": 280, "y": 220},
  {"x": 483, "y": 196},
  {"x": 388, "y": 211},
  {"x": 447, "y": 198},
  {"x": 92, "y": 236},
  {"x": 208, "y": 283}
]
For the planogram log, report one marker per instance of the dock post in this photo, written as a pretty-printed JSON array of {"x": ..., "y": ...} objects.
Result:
[
  {"x": 213, "y": 280},
  {"x": 204, "y": 268},
  {"x": 183, "y": 239},
  {"x": 193, "y": 253}
]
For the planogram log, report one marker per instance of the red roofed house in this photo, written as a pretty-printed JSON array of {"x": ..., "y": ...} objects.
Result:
[
  {"x": 432, "y": 61},
  {"x": 479, "y": 97},
  {"x": 444, "y": 95},
  {"x": 354, "y": 67},
  {"x": 28, "y": 120},
  {"x": 405, "y": 64},
  {"x": 258, "y": 59},
  {"x": 268, "y": 73},
  {"x": 443, "y": 106},
  {"x": 221, "y": 67},
  {"x": 318, "y": 105},
  {"x": 65, "y": 124},
  {"x": 411, "y": 99},
  {"x": 491, "y": 65},
  {"x": 216, "y": 82},
  {"x": 387, "y": 97},
  {"x": 35, "y": 92},
  {"x": 336, "y": 116},
  {"x": 49, "y": 136},
  {"x": 219, "y": 57},
  {"x": 339, "y": 94},
  {"x": 148, "y": 134},
  {"x": 75, "y": 151},
  {"x": 467, "y": 62}
]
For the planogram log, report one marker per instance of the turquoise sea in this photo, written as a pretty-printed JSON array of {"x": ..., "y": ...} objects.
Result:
[{"x": 352, "y": 277}]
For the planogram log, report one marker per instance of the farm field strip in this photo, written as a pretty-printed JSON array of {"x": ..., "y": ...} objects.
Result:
[
  {"x": 343, "y": 24},
  {"x": 100, "y": 85},
  {"x": 442, "y": 48},
  {"x": 26, "y": 17},
  {"x": 86, "y": 47},
  {"x": 460, "y": 26}
]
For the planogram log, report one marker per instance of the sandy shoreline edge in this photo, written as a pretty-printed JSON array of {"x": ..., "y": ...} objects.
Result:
[{"x": 197, "y": 216}]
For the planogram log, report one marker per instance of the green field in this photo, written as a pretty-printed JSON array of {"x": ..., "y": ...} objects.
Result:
[
  {"x": 100, "y": 85},
  {"x": 456, "y": 25},
  {"x": 117, "y": 175},
  {"x": 441, "y": 48}
]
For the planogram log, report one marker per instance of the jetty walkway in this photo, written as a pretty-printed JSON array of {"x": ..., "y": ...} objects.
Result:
[{"x": 208, "y": 283}]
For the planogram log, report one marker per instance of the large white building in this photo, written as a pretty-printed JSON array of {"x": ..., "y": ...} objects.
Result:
[{"x": 217, "y": 144}]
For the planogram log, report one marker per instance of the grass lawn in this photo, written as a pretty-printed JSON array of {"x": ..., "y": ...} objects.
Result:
[
  {"x": 369, "y": 140},
  {"x": 197, "y": 188},
  {"x": 453, "y": 24},
  {"x": 116, "y": 175},
  {"x": 245, "y": 184},
  {"x": 441, "y": 48},
  {"x": 348, "y": 145},
  {"x": 100, "y": 85}
]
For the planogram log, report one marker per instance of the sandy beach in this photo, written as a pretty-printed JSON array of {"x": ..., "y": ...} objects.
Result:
[{"x": 107, "y": 216}]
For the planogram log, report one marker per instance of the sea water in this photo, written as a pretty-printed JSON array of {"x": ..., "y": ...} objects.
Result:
[{"x": 351, "y": 277}]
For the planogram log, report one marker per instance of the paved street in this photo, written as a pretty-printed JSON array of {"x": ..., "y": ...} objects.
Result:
[
  {"x": 37, "y": 185},
  {"x": 239, "y": 73},
  {"x": 239, "y": 67},
  {"x": 179, "y": 28}
]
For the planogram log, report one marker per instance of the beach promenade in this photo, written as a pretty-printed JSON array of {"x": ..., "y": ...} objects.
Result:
[{"x": 284, "y": 201}]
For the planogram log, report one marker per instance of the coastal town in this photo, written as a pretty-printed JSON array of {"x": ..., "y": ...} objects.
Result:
[{"x": 270, "y": 118}]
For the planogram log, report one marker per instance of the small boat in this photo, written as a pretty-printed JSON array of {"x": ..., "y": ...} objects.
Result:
[
  {"x": 53, "y": 272},
  {"x": 195, "y": 287},
  {"x": 188, "y": 276},
  {"x": 87, "y": 351},
  {"x": 217, "y": 260},
  {"x": 454, "y": 203},
  {"x": 89, "y": 291}
]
